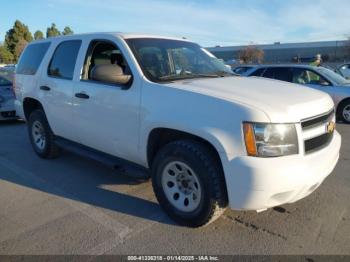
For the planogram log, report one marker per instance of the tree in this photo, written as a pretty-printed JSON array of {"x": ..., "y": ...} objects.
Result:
[
  {"x": 67, "y": 31},
  {"x": 6, "y": 56},
  {"x": 17, "y": 33},
  {"x": 52, "y": 31},
  {"x": 19, "y": 48},
  {"x": 38, "y": 35},
  {"x": 251, "y": 54}
]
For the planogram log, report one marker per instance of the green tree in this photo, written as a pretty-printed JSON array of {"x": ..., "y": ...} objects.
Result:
[
  {"x": 20, "y": 47},
  {"x": 6, "y": 56},
  {"x": 18, "y": 32},
  {"x": 67, "y": 31},
  {"x": 52, "y": 31},
  {"x": 38, "y": 35}
]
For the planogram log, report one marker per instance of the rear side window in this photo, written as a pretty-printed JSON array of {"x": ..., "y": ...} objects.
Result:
[
  {"x": 279, "y": 73},
  {"x": 269, "y": 73},
  {"x": 284, "y": 74},
  {"x": 31, "y": 58},
  {"x": 258, "y": 72},
  {"x": 63, "y": 60}
]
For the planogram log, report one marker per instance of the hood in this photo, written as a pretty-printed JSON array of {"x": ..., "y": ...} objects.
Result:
[{"x": 280, "y": 101}]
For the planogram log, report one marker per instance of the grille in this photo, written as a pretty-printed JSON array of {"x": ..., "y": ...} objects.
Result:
[
  {"x": 8, "y": 114},
  {"x": 317, "y": 121},
  {"x": 322, "y": 138},
  {"x": 317, "y": 143}
]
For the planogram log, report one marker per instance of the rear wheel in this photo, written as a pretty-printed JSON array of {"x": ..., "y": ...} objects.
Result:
[
  {"x": 189, "y": 183},
  {"x": 41, "y": 136}
]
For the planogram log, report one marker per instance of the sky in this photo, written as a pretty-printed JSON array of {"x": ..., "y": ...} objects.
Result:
[{"x": 207, "y": 22}]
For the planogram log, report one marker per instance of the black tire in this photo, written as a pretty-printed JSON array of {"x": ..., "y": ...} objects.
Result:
[
  {"x": 341, "y": 106},
  {"x": 210, "y": 175},
  {"x": 50, "y": 149}
]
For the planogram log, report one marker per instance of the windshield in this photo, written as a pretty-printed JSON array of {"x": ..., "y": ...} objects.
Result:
[
  {"x": 338, "y": 79},
  {"x": 5, "y": 78},
  {"x": 169, "y": 60}
]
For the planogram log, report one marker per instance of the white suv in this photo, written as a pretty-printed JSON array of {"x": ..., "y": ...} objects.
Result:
[{"x": 211, "y": 139}]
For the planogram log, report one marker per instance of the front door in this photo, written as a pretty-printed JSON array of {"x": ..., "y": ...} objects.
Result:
[
  {"x": 106, "y": 115},
  {"x": 312, "y": 79}
]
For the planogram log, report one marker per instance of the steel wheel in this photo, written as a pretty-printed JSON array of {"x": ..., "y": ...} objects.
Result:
[
  {"x": 346, "y": 113},
  {"x": 181, "y": 186},
  {"x": 38, "y": 134}
]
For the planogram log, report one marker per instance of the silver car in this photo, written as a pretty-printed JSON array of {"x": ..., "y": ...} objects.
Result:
[
  {"x": 319, "y": 78},
  {"x": 7, "y": 97}
]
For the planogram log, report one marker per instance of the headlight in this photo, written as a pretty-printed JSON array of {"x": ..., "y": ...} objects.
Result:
[{"x": 270, "y": 140}]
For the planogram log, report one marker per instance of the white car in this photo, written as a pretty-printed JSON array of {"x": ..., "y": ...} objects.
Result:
[{"x": 210, "y": 139}]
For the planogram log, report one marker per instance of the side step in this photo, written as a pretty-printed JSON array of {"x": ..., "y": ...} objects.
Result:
[{"x": 126, "y": 167}]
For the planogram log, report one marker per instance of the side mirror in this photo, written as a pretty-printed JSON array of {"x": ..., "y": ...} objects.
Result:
[
  {"x": 324, "y": 83},
  {"x": 112, "y": 74}
]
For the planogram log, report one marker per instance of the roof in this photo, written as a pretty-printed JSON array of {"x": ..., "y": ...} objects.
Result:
[{"x": 117, "y": 34}]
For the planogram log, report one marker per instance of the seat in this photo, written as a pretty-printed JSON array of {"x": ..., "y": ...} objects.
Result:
[
  {"x": 117, "y": 59},
  {"x": 98, "y": 59}
]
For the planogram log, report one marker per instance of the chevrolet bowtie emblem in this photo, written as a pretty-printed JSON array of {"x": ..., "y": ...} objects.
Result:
[{"x": 330, "y": 127}]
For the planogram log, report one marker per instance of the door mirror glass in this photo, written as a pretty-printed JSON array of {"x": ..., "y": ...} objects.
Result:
[{"x": 110, "y": 73}]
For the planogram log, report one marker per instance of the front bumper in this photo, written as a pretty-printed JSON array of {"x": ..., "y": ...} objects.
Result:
[
  {"x": 7, "y": 110},
  {"x": 255, "y": 183}
]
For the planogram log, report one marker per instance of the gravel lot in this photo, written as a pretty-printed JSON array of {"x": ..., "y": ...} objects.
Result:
[{"x": 72, "y": 205}]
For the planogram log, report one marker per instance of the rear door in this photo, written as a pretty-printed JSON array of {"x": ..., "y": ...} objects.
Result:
[
  {"x": 56, "y": 87},
  {"x": 279, "y": 73}
]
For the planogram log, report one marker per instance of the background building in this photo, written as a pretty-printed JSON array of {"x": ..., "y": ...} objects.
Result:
[{"x": 331, "y": 51}]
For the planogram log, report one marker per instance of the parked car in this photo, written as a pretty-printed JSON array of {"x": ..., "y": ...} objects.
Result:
[
  {"x": 208, "y": 139},
  {"x": 344, "y": 70},
  {"x": 7, "y": 97},
  {"x": 319, "y": 78}
]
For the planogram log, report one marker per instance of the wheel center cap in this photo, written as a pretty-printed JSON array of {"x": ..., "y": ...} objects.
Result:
[{"x": 184, "y": 183}]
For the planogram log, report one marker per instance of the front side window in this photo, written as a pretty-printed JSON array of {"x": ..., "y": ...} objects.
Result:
[
  {"x": 64, "y": 58},
  {"x": 169, "y": 60},
  {"x": 307, "y": 77},
  {"x": 31, "y": 58},
  {"x": 103, "y": 53}
]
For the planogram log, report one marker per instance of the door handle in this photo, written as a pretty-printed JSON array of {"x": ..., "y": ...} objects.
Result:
[
  {"x": 82, "y": 95},
  {"x": 45, "y": 88}
]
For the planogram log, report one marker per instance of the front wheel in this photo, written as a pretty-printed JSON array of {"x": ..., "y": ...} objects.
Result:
[{"x": 189, "y": 183}]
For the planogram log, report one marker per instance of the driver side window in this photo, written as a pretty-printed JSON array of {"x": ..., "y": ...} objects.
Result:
[
  {"x": 103, "y": 53},
  {"x": 308, "y": 77}
]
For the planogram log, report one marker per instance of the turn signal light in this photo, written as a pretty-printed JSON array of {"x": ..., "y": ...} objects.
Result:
[{"x": 249, "y": 139}]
